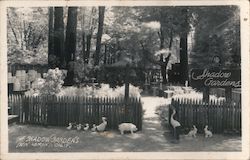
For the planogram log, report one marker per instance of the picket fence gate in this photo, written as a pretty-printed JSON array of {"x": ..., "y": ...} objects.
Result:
[
  {"x": 60, "y": 111},
  {"x": 221, "y": 117}
]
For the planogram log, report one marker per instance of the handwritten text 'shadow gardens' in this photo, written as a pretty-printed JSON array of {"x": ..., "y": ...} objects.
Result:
[{"x": 215, "y": 78}]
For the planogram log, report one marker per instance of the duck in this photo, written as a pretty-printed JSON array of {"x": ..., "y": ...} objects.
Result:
[
  {"x": 93, "y": 129},
  {"x": 74, "y": 125},
  {"x": 70, "y": 126},
  {"x": 101, "y": 127},
  {"x": 79, "y": 127},
  {"x": 207, "y": 132},
  {"x": 86, "y": 127}
]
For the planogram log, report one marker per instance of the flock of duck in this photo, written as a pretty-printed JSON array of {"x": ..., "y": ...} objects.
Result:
[{"x": 101, "y": 127}]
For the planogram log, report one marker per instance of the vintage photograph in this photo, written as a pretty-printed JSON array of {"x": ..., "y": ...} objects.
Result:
[{"x": 107, "y": 78}]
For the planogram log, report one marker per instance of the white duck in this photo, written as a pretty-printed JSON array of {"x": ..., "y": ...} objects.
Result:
[
  {"x": 70, "y": 126},
  {"x": 193, "y": 132},
  {"x": 93, "y": 129},
  {"x": 207, "y": 132},
  {"x": 74, "y": 125},
  {"x": 86, "y": 127},
  {"x": 174, "y": 122},
  {"x": 79, "y": 127},
  {"x": 101, "y": 127}
]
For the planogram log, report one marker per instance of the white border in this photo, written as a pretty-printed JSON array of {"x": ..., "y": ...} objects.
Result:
[{"x": 244, "y": 5}]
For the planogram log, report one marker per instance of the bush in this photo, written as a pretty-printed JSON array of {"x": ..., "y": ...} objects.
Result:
[
  {"x": 103, "y": 91},
  {"x": 115, "y": 76},
  {"x": 51, "y": 85}
]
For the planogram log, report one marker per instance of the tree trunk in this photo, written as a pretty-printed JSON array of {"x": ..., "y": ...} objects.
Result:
[
  {"x": 70, "y": 44},
  {"x": 99, "y": 34},
  {"x": 83, "y": 34},
  {"x": 89, "y": 37},
  {"x": 170, "y": 39},
  {"x": 164, "y": 67},
  {"x": 59, "y": 37},
  {"x": 29, "y": 35},
  {"x": 183, "y": 48},
  {"x": 162, "y": 38},
  {"x": 51, "y": 36},
  {"x": 105, "y": 55},
  {"x": 21, "y": 38},
  {"x": 86, "y": 56}
]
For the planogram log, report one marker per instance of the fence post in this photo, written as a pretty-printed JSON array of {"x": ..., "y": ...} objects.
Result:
[
  {"x": 206, "y": 94},
  {"x": 228, "y": 94},
  {"x": 140, "y": 115}
]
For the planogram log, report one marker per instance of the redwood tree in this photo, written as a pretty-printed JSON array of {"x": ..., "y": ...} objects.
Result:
[
  {"x": 70, "y": 42},
  {"x": 89, "y": 35},
  {"x": 183, "y": 46},
  {"x": 99, "y": 34},
  {"x": 58, "y": 37},
  {"x": 51, "y": 37}
]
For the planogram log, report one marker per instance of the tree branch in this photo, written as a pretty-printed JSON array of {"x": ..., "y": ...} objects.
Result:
[
  {"x": 167, "y": 59},
  {"x": 171, "y": 39},
  {"x": 14, "y": 33},
  {"x": 149, "y": 58}
]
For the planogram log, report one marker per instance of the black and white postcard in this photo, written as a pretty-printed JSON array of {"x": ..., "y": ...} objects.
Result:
[{"x": 124, "y": 79}]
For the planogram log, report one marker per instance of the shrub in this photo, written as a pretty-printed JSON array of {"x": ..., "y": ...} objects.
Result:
[
  {"x": 50, "y": 85},
  {"x": 104, "y": 90}
]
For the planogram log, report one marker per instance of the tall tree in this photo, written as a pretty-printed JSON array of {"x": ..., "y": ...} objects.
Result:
[
  {"x": 216, "y": 35},
  {"x": 83, "y": 32},
  {"x": 183, "y": 46},
  {"x": 174, "y": 23},
  {"x": 92, "y": 23},
  {"x": 59, "y": 37},
  {"x": 70, "y": 41},
  {"x": 51, "y": 34},
  {"x": 99, "y": 34},
  {"x": 70, "y": 44}
]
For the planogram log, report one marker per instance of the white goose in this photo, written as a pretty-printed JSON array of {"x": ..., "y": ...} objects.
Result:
[
  {"x": 174, "y": 122},
  {"x": 101, "y": 127}
]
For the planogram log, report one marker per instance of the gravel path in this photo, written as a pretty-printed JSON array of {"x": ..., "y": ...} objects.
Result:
[{"x": 153, "y": 138}]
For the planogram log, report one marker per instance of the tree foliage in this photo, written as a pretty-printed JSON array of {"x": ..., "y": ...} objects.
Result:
[
  {"x": 27, "y": 35},
  {"x": 142, "y": 36},
  {"x": 216, "y": 35}
]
